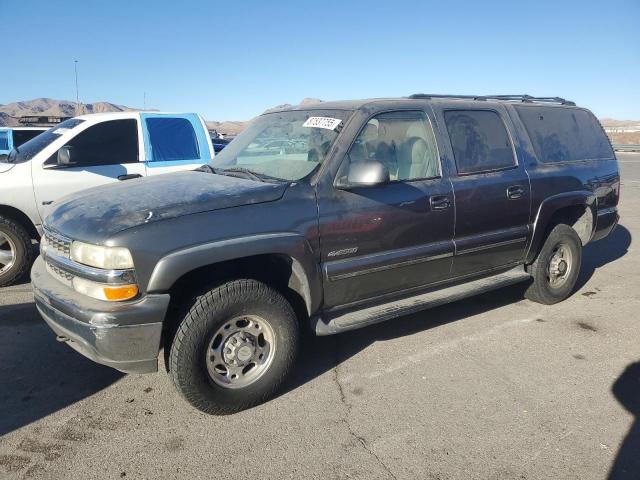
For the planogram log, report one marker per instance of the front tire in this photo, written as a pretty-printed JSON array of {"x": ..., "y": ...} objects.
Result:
[
  {"x": 15, "y": 251},
  {"x": 557, "y": 266},
  {"x": 234, "y": 348}
]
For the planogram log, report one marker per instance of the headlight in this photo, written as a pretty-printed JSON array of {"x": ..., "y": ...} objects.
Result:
[{"x": 108, "y": 258}]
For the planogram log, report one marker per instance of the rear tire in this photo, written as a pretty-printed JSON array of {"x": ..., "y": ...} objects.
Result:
[
  {"x": 234, "y": 348},
  {"x": 15, "y": 251},
  {"x": 557, "y": 266}
]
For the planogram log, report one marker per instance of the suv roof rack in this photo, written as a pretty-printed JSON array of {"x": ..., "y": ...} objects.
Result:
[{"x": 507, "y": 98}]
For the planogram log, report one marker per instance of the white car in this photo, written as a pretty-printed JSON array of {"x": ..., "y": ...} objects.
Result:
[{"x": 85, "y": 152}]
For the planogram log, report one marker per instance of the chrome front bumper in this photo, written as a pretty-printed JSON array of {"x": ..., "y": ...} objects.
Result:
[{"x": 125, "y": 336}]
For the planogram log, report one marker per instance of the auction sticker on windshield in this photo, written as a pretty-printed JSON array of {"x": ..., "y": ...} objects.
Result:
[{"x": 322, "y": 122}]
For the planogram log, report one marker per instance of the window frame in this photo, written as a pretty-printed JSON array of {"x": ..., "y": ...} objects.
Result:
[
  {"x": 516, "y": 161},
  {"x": 382, "y": 112}
]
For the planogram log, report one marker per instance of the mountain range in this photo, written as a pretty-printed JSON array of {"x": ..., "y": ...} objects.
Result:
[{"x": 10, "y": 113}]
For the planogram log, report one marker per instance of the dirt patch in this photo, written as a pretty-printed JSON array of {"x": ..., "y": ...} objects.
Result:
[
  {"x": 175, "y": 444},
  {"x": 586, "y": 326},
  {"x": 51, "y": 451},
  {"x": 14, "y": 463}
]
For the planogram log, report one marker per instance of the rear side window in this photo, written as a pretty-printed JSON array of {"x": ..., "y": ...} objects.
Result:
[
  {"x": 172, "y": 139},
  {"x": 4, "y": 140},
  {"x": 479, "y": 140},
  {"x": 563, "y": 134},
  {"x": 23, "y": 136}
]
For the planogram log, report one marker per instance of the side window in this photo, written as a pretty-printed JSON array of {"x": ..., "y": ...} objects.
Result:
[
  {"x": 108, "y": 143},
  {"x": 172, "y": 139},
  {"x": 562, "y": 134},
  {"x": 479, "y": 140},
  {"x": 4, "y": 140},
  {"x": 23, "y": 136},
  {"x": 403, "y": 141}
]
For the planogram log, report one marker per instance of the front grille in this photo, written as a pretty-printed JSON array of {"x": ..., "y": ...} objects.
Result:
[
  {"x": 58, "y": 244},
  {"x": 59, "y": 274}
]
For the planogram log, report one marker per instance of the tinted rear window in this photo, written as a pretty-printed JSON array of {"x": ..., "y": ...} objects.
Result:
[
  {"x": 4, "y": 140},
  {"x": 172, "y": 139},
  {"x": 563, "y": 134},
  {"x": 479, "y": 140},
  {"x": 23, "y": 136}
]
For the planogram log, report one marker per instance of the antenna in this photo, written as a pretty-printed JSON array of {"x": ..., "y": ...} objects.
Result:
[
  {"x": 75, "y": 67},
  {"x": 144, "y": 101}
]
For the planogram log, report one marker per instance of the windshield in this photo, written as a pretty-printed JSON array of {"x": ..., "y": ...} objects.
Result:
[
  {"x": 28, "y": 150},
  {"x": 283, "y": 145}
]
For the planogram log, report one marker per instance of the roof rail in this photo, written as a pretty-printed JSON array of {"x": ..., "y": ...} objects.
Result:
[{"x": 507, "y": 98}]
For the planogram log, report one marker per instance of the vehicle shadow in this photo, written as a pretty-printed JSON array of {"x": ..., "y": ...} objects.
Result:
[
  {"x": 38, "y": 375},
  {"x": 607, "y": 250},
  {"x": 321, "y": 354},
  {"x": 626, "y": 389}
]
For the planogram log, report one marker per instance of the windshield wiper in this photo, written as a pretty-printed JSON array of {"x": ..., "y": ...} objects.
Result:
[
  {"x": 243, "y": 171},
  {"x": 239, "y": 172}
]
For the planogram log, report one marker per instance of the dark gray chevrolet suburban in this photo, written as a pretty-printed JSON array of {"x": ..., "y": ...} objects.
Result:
[{"x": 333, "y": 216}]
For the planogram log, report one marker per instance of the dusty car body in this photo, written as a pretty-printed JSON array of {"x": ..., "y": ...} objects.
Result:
[{"x": 397, "y": 205}]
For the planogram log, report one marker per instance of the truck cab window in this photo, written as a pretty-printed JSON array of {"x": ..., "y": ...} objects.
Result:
[
  {"x": 23, "y": 136},
  {"x": 403, "y": 141},
  {"x": 479, "y": 140},
  {"x": 4, "y": 140},
  {"x": 113, "y": 142},
  {"x": 172, "y": 139}
]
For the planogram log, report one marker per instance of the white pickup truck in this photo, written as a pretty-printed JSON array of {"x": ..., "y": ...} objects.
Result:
[{"x": 85, "y": 152}]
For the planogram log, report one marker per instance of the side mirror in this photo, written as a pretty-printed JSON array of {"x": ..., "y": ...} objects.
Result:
[
  {"x": 367, "y": 174},
  {"x": 65, "y": 156}
]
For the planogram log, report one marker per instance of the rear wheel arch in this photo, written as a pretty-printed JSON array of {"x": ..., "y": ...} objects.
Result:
[{"x": 575, "y": 209}]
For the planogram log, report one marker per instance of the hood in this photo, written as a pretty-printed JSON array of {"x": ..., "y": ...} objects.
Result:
[{"x": 103, "y": 211}]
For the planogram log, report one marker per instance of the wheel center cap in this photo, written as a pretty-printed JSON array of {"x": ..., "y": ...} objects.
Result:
[
  {"x": 244, "y": 353},
  {"x": 562, "y": 267}
]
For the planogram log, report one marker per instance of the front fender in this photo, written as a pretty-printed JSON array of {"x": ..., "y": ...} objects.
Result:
[
  {"x": 305, "y": 274},
  {"x": 551, "y": 205}
]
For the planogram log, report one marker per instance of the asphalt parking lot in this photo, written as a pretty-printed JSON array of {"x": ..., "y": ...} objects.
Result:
[{"x": 493, "y": 387}]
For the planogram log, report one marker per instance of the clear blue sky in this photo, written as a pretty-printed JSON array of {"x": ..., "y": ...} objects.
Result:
[{"x": 233, "y": 59}]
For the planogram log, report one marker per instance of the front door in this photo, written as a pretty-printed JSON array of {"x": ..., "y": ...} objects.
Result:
[
  {"x": 394, "y": 236},
  {"x": 492, "y": 192},
  {"x": 103, "y": 153}
]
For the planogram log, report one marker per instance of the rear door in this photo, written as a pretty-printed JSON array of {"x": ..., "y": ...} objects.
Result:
[
  {"x": 393, "y": 237},
  {"x": 102, "y": 153},
  {"x": 175, "y": 142},
  {"x": 491, "y": 189}
]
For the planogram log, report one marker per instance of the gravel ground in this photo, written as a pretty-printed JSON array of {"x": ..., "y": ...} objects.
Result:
[{"x": 493, "y": 387}]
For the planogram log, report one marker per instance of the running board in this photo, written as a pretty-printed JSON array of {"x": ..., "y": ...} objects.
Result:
[{"x": 343, "y": 321}]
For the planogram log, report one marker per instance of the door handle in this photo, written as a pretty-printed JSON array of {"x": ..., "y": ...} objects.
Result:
[
  {"x": 514, "y": 192},
  {"x": 129, "y": 176},
  {"x": 439, "y": 202}
]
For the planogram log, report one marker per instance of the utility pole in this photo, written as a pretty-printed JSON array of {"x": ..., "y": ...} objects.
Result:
[
  {"x": 144, "y": 101},
  {"x": 75, "y": 66}
]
